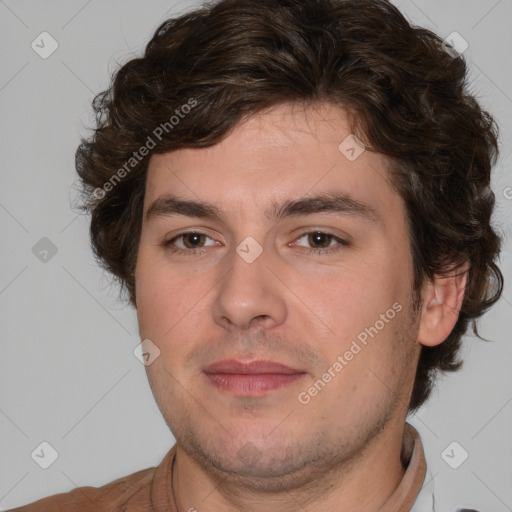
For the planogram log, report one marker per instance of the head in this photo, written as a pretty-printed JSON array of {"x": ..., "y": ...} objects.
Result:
[{"x": 242, "y": 106}]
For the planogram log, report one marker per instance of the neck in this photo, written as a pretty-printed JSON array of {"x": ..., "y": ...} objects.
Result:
[{"x": 364, "y": 483}]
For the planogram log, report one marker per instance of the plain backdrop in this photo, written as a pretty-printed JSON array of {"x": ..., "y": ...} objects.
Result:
[{"x": 68, "y": 376}]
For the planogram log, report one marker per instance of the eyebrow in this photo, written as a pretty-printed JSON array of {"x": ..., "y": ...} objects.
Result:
[{"x": 170, "y": 205}]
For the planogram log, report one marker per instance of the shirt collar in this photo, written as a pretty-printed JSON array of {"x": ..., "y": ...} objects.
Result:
[{"x": 408, "y": 496}]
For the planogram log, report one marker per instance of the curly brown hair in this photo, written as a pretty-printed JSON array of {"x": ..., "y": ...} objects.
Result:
[{"x": 406, "y": 94}]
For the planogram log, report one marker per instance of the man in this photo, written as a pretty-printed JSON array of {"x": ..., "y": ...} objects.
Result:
[{"x": 295, "y": 194}]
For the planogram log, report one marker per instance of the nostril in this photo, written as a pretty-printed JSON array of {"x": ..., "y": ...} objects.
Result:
[{"x": 259, "y": 320}]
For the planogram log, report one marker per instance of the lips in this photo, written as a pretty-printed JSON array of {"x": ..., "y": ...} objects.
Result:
[
  {"x": 251, "y": 379},
  {"x": 252, "y": 368}
]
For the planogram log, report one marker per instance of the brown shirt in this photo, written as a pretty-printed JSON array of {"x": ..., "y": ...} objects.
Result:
[{"x": 149, "y": 490}]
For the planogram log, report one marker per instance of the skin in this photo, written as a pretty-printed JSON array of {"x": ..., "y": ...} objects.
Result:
[{"x": 340, "y": 451}]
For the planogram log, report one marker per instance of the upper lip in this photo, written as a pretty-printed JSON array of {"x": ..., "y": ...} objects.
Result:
[{"x": 254, "y": 367}]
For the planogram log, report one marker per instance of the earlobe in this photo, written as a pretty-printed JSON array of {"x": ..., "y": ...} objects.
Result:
[{"x": 442, "y": 301}]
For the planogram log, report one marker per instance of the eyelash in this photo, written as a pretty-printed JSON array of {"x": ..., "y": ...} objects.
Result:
[{"x": 199, "y": 251}]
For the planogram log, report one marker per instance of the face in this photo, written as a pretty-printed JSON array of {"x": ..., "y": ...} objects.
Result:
[{"x": 277, "y": 246}]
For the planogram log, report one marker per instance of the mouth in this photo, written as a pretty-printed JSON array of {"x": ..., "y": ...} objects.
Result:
[{"x": 251, "y": 379}]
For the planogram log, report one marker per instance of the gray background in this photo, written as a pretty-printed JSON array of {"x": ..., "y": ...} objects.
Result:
[{"x": 67, "y": 373}]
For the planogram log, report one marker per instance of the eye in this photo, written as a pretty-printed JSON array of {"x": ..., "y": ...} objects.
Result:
[
  {"x": 189, "y": 242},
  {"x": 321, "y": 242}
]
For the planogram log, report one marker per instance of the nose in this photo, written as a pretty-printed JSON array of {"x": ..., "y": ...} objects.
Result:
[{"x": 249, "y": 295}]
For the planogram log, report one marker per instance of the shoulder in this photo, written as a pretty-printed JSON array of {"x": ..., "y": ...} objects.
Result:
[
  {"x": 134, "y": 487},
  {"x": 137, "y": 492}
]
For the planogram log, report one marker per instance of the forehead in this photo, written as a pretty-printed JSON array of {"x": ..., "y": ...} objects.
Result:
[{"x": 277, "y": 155}]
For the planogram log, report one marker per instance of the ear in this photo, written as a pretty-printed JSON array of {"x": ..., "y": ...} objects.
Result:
[{"x": 442, "y": 300}]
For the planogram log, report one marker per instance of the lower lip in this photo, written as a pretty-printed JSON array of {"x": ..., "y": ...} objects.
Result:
[{"x": 252, "y": 384}]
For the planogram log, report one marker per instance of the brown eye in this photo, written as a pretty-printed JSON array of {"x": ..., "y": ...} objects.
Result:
[
  {"x": 319, "y": 239},
  {"x": 319, "y": 242},
  {"x": 193, "y": 240}
]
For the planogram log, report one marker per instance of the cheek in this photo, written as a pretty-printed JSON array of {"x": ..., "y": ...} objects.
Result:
[
  {"x": 352, "y": 300},
  {"x": 355, "y": 297},
  {"x": 152, "y": 294},
  {"x": 160, "y": 309},
  {"x": 170, "y": 306}
]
